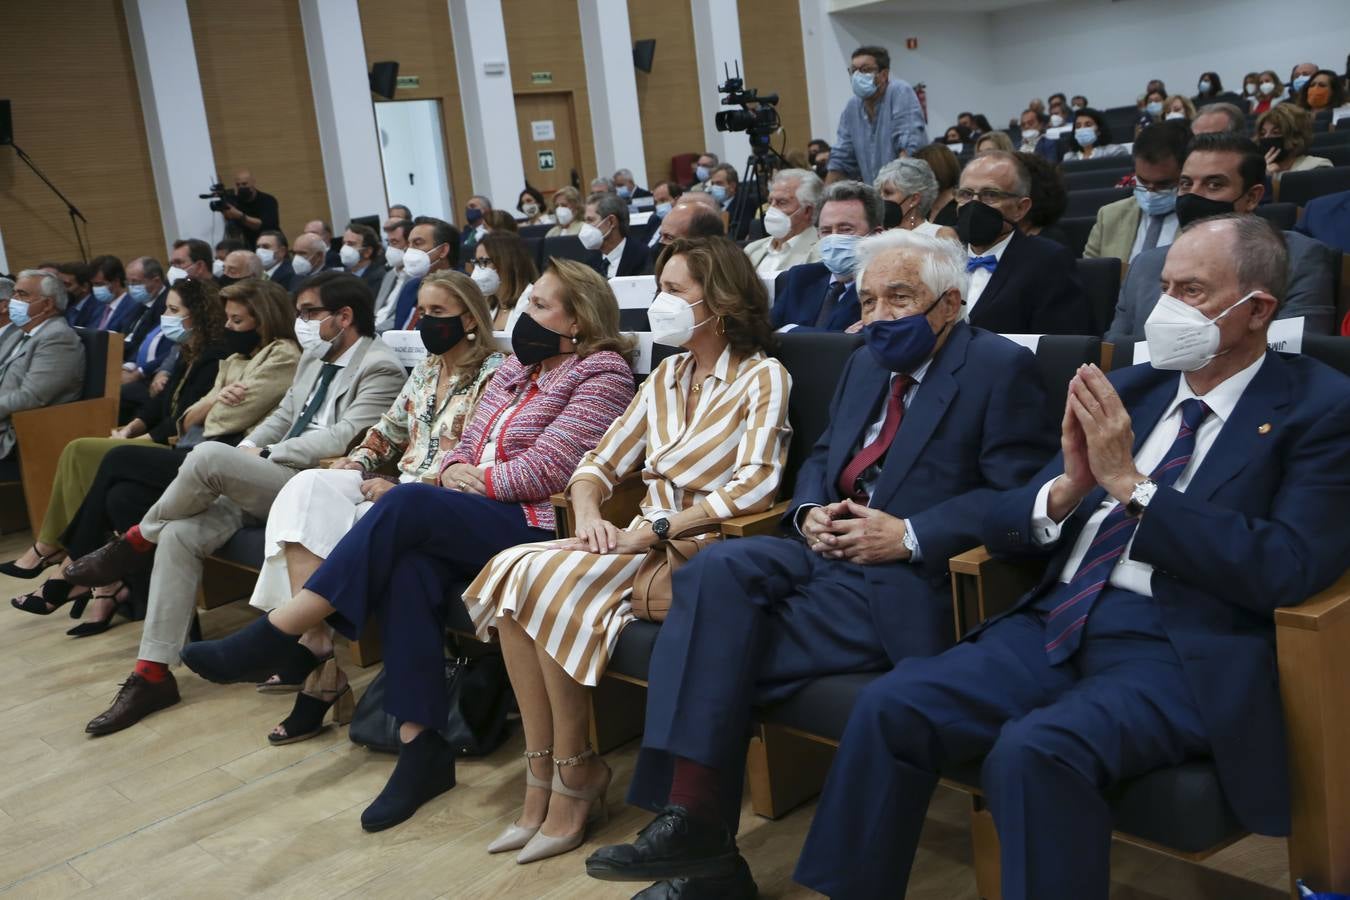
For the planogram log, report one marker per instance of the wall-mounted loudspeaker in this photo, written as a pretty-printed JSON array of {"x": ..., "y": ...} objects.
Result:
[
  {"x": 384, "y": 79},
  {"x": 643, "y": 51}
]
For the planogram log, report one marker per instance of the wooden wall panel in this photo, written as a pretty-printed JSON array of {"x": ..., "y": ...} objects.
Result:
[
  {"x": 545, "y": 36},
  {"x": 672, "y": 120},
  {"x": 67, "y": 68},
  {"x": 416, "y": 34},
  {"x": 259, "y": 102},
  {"x": 774, "y": 63}
]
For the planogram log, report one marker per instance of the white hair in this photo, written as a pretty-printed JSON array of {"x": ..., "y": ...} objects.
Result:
[
  {"x": 48, "y": 286},
  {"x": 623, "y": 173},
  {"x": 255, "y": 267},
  {"x": 600, "y": 179},
  {"x": 6, "y": 288},
  {"x": 942, "y": 267},
  {"x": 910, "y": 176},
  {"x": 809, "y": 185}
]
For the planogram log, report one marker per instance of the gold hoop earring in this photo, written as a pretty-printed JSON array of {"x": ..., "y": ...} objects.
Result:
[{"x": 721, "y": 325}]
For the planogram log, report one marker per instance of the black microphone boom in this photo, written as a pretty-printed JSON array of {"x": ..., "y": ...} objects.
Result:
[{"x": 75, "y": 214}]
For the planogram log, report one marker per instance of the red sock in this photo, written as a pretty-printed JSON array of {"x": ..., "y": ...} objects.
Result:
[
  {"x": 153, "y": 672},
  {"x": 694, "y": 786},
  {"x": 138, "y": 543}
]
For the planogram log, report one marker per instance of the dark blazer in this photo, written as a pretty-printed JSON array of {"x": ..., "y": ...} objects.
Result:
[
  {"x": 372, "y": 276},
  {"x": 1261, "y": 525},
  {"x": 1327, "y": 219},
  {"x": 977, "y": 426},
  {"x": 126, "y": 314},
  {"x": 145, "y": 321},
  {"x": 633, "y": 260},
  {"x": 799, "y": 292},
  {"x": 285, "y": 275},
  {"x": 187, "y": 384},
  {"x": 85, "y": 316},
  {"x": 406, "y": 303},
  {"x": 1034, "y": 290}
]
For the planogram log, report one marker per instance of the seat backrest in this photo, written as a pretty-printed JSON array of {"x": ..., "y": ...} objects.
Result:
[
  {"x": 567, "y": 247},
  {"x": 1086, "y": 203},
  {"x": 533, "y": 231},
  {"x": 815, "y": 360},
  {"x": 534, "y": 246},
  {"x": 1331, "y": 139},
  {"x": 95, "y": 362},
  {"x": 1097, "y": 162},
  {"x": 1281, "y": 215},
  {"x": 1095, "y": 179},
  {"x": 682, "y": 168},
  {"x": 1101, "y": 286},
  {"x": 1121, "y": 119},
  {"x": 1339, "y": 154},
  {"x": 1334, "y": 351},
  {"x": 1300, "y": 187},
  {"x": 1122, "y": 355},
  {"x": 1077, "y": 230},
  {"x": 1058, "y": 357}
]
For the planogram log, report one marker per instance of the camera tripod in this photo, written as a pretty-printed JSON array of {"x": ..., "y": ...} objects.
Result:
[{"x": 759, "y": 169}]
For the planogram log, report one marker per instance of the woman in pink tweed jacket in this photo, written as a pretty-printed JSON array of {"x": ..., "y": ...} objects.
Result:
[{"x": 546, "y": 407}]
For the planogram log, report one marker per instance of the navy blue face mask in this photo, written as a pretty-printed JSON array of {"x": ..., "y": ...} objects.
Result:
[{"x": 901, "y": 345}]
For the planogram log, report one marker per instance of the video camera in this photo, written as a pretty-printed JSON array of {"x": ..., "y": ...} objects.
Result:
[
  {"x": 758, "y": 122},
  {"x": 220, "y": 197}
]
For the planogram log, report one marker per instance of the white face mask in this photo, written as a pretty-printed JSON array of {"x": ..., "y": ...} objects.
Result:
[
  {"x": 349, "y": 255},
  {"x": 1267, "y": 87},
  {"x": 1030, "y": 134},
  {"x": 176, "y": 274},
  {"x": 1174, "y": 115},
  {"x": 266, "y": 257},
  {"x": 777, "y": 223},
  {"x": 591, "y": 237},
  {"x": 1056, "y": 121},
  {"x": 301, "y": 265},
  {"x": 529, "y": 210},
  {"x": 564, "y": 215},
  {"x": 307, "y": 334},
  {"x": 487, "y": 280},
  {"x": 218, "y": 268},
  {"x": 956, "y": 148},
  {"x": 394, "y": 256},
  {"x": 672, "y": 320},
  {"x": 416, "y": 262},
  {"x": 1180, "y": 337}
]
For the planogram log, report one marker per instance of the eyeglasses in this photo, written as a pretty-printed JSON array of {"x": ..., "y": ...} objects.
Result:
[
  {"x": 313, "y": 314},
  {"x": 866, "y": 70},
  {"x": 484, "y": 262},
  {"x": 987, "y": 196}
]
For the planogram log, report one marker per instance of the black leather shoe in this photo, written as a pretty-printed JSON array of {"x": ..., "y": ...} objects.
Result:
[
  {"x": 674, "y": 845},
  {"x": 110, "y": 563},
  {"x": 739, "y": 885},
  {"x": 426, "y": 769},
  {"x": 250, "y": 654},
  {"x": 137, "y": 699}
]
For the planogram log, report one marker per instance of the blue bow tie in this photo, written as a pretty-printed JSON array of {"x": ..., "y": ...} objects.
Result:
[{"x": 982, "y": 262}]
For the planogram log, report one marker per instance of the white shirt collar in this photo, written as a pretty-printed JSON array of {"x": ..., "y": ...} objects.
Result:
[
  {"x": 1224, "y": 397},
  {"x": 995, "y": 251},
  {"x": 276, "y": 265},
  {"x": 614, "y": 256},
  {"x": 346, "y": 357},
  {"x": 788, "y": 244}
]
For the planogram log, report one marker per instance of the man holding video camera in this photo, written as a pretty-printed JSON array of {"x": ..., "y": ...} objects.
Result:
[{"x": 248, "y": 211}]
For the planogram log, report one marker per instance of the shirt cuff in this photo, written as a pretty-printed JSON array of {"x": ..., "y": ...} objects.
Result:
[
  {"x": 800, "y": 514},
  {"x": 1045, "y": 530},
  {"x": 786, "y": 328},
  {"x": 247, "y": 444},
  {"x": 915, "y": 555}
]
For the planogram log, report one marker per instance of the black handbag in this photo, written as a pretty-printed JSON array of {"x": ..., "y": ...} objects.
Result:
[{"x": 480, "y": 697}]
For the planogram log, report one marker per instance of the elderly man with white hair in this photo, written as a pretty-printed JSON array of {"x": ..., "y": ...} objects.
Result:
[
  {"x": 42, "y": 364},
  {"x": 789, "y": 223},
  {"x": 909, "y": 188},
  {"x": 241, "y": 264},
  {"x": 627, "y": 188},
  {"x": 929, "y": 421}
]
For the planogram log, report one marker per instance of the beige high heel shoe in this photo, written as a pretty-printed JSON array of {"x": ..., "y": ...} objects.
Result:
[
  {"x": 516, "y": 836},
  {"x": 541, "y": 846}
]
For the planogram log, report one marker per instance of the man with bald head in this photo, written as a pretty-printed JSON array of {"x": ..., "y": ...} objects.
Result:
[
  {"x": 309, "y": 257},
  {"x": 239, "y": 265},
  {"x": 250, "y": 212},
  {"x": 685, "y": 220},
  {"x": 319, "y": 227}
]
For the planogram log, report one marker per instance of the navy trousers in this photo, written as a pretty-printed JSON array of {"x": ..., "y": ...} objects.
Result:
[
  {"x": 1052, "y": 738},
  {"x": 752, "y": 620},
  {"x": 400, "y": 560}
]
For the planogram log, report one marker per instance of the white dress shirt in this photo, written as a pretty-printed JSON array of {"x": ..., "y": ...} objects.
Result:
[
  {"x": 773, "y": 260},
  {"x": 1165, "y": 237},
  {"x": 614, "y": 256},
  {"x": 1130, "y": 575},
  {"x": 979, "y": 279}
]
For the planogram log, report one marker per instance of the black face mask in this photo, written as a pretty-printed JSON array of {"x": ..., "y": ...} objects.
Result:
[
  {"x": 1272, "y": 143},
  {"x": 242, "y": 342},
  {"x": 1191, "y": 207},
  {"x": 894, "y": 214},
  {"x": 225, "y": 280},
  {"x": 822, "y": 169},
  {"x": 978, "y": 225},
  {"x": 533, "y": 343},
  {"x": 441, "y": 333}
]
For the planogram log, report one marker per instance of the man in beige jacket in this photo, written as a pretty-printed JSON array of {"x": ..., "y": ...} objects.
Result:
[
  {"x": 1128, "y": 227},
  {"x": 794, "y": 195}
]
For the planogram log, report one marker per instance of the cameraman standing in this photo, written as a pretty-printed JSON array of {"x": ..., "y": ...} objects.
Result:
[{"x": 248, "y": 210}]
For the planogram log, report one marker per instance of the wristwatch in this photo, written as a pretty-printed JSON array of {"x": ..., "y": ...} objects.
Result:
[
  {"x": 910, "y": 541},
  {"x": 265, "y": 452},
  {"x": 661, "y": 527},
  {"x": 1140, "y": 497}
]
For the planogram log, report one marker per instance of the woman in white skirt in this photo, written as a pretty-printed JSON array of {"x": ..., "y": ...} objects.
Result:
[
  {"x": 708, "y": 430},
  {"x": 319, "y": 506}
]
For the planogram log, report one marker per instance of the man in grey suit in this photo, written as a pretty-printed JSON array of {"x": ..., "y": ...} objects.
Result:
[
  {"x": 1225, "y": 172},
  {"x": 344, "y": 382},
  {"x": 42, "y": 362}
]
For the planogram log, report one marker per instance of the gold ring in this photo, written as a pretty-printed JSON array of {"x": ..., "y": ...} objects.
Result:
[{"x": 462, "y": 485}]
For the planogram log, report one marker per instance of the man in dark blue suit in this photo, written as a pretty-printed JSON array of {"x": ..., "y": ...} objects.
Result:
[
  {"x": 1151, "y": 638},
  {"x": 822, "y": 296},
  {"x": 431, "y": 248},
  {"x": 274, "y": 252},
  {"x": 929, "y": 423},
  {"x": 82, "y": 310},
  {"x": 1327, "y": 219}
]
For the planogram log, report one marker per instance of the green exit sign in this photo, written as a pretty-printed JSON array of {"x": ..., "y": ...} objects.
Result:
[
  {"x": 541, "y": 78},
  {"x": 409, "y": 82}
]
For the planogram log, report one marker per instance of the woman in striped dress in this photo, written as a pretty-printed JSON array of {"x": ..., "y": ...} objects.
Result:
[{"x": 708, "y": 431}]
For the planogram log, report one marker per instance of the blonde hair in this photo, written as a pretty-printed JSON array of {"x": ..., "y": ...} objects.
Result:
[
  {"x": 587, "y": 297},
  {"x": 1186, "y": 105},
  {"x": 569, "y": 194},
  {"x": 269, "y": 304},
  {"x": 1000, "y": 141},
  {"x": 1295, "y": 126},
  {"x": 463, "y": 288}
]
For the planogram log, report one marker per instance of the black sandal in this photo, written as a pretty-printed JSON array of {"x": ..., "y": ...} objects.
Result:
[
  {"x": 13, "y": 570},
  {"x": 121, "y": 605},
  {"x": 290, "y": 677},
  {"x": 54, "y": 594},
  {"x": 319, "y": 694}
]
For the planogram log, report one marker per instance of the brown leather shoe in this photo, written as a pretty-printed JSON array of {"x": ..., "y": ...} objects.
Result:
[
  {"x": 112, "y": 562},
  {"x": 137, "y": 699}
]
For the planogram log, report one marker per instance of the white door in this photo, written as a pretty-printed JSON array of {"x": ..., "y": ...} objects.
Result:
[{"x": 416, "y": 173}]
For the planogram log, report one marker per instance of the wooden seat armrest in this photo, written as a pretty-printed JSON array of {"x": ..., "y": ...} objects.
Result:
[
  {"x": 983, "y": 587},
  {"x": 1314, "y": 665},
  {"x": 755, "y": 524},
  {"x": 619, "y": 508},
  {"x": 41, "y": 435}
]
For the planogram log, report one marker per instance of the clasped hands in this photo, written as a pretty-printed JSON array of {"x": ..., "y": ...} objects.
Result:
[
  {"x": 850, "y": 531},
  {"x": 372, "y": 488},
  {"x": 1097, "y": 440}
]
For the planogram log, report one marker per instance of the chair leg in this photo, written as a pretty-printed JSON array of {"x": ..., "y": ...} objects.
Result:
[
  {"x": 984, "y": 838},
  {"x": 784, "y": 770},
  {"x": 618, "y": 711}
]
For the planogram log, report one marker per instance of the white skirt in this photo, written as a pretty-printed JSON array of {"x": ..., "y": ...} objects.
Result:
[{"x": 315, "y": 509}]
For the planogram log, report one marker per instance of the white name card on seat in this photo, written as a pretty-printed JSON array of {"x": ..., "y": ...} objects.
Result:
[
  {"x": 407, "y": 346},
  {"x": 1284, "y": 336},
  {"x": 634, "y": 291},
  {"x": 1030, "y": 341},
  {"x": 638, "y": 218}
]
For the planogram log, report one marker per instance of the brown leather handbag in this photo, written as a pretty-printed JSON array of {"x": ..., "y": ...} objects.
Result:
[{"x": 652, "y": 583}]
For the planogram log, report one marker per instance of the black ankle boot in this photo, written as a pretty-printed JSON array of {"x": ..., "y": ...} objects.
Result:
[
  {"x": 251, "y": 654},
  {"x": 426, "y": 769}
]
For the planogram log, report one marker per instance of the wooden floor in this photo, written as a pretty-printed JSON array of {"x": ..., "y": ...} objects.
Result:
[{"x": 194, "y": 802}]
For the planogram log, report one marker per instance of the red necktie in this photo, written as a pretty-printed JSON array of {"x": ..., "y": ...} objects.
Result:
[{"x": 871, "y": 454}]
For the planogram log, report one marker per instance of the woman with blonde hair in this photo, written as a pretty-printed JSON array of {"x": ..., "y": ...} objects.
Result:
[
  {"x": 993, "y": 140},
  {"x": 317, "y": 507},
  {"x": 545, "y": 408},
  {"x": 1178, "y": 107},
  {"x": 568, "y": 211},
  {"x": 708, "y": 431}
]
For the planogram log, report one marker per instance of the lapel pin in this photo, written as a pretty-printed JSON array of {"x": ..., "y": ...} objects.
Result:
[{"x": 1264, "y": 429}]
